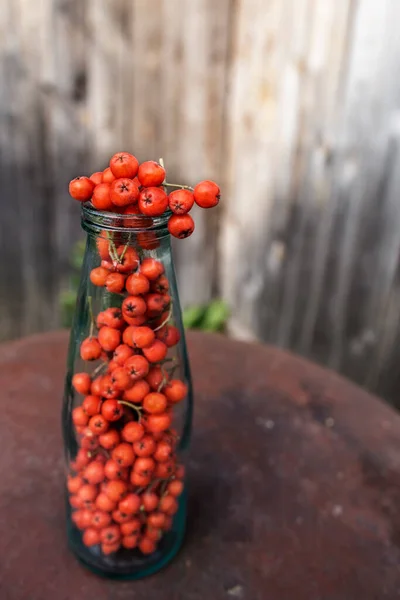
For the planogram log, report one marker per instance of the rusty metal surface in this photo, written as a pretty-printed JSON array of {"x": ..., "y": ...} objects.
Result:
[{"x": 294, "y": 483}]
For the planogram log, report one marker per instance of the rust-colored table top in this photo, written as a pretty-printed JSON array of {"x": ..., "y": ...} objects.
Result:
[{"x": 294, "y": 483}]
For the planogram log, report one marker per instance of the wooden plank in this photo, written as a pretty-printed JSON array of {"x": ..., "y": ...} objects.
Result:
[
  {"x": 11, "y": 290},
  {"x": 373, "y": 110},
  {"x": 194, "y": 80},
  {"x": 148, "y": 113},
  {"x": 26, "y": 192},
  {"x": 41, "y": 135},
  {"x": 323, "y": 61},
  {"x": 250, "y": 128},
  {"x": 64, "y": 82},
  {"x": 315, "y": 267},
  {"x": 281, "y": 96},
  {"x": 109, "y": 117}
]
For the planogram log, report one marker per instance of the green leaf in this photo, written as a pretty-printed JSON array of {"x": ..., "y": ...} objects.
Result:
[
  {"x": 67, "y": 301},
  {"x": 216, "y": 316},
  {"x": 68, "y": 297},
  {"x": 74, "y": 280},
  {"x": 193, "y": 315},
  {"x": 77, "y": 254}
]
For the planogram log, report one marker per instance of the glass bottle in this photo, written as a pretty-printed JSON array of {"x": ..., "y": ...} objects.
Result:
[{"x": 127, "y": 407}]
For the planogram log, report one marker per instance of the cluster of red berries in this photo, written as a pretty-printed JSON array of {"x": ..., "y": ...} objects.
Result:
[
  {"x": 127, "y": 187},
  {"x": 125, "y": 479}
]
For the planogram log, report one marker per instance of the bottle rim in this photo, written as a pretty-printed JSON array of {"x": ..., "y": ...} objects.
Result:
[{"x": 96, "y": 220}]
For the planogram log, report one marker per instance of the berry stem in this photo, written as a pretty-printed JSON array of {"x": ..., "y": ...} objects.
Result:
[
  {"x": 163, "y": 381},
  {"x": 134, "y": 407},
  {"x": 99, "y": 368},
  {"x": 172, "y": 371},
  {"x": 113, "y": 250},
  {"x": 164, "y": 360},
  {"x": 164, "y": 487},
  {"x": 178, "y": 185},
  {"x": 154, "y": 483},
  {"x": 161, "y": 161},
  {"x": 166, "y": 319},
  {"x": 92, "y": 321},
  {"x": 120, "y": 258}
]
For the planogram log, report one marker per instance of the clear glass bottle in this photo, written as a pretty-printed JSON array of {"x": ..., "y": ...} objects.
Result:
[{"x": 128, "y": 400}]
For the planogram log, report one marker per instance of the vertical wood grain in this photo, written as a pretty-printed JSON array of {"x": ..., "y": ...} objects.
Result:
[
  {"x": 372, "y": 132},
  {"x": 194, "y": 78},
  {"x": 12, "y": 289},
  {"x": 111, "y": 79},
  {"x": 148, "y": 64},
  {"x": 320, "y": 147},
  {"x": 282, "y": 116},
  {"x": 64, "y": 98}
]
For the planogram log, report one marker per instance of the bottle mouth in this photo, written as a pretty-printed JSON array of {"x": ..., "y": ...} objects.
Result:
[{"x": 94, "y": 221}]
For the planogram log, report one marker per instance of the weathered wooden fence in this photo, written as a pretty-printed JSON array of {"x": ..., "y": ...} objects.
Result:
[{"x": 294, "y": 105}]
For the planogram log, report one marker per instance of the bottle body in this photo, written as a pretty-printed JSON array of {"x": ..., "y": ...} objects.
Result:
[{"x": 128, "y": 401}]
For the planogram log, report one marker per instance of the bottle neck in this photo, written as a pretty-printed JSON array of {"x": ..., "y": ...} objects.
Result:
[{"x": 128, "y": 226}]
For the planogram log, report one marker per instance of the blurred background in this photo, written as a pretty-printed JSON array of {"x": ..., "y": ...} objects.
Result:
[{"x": 293, "y": 106}]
